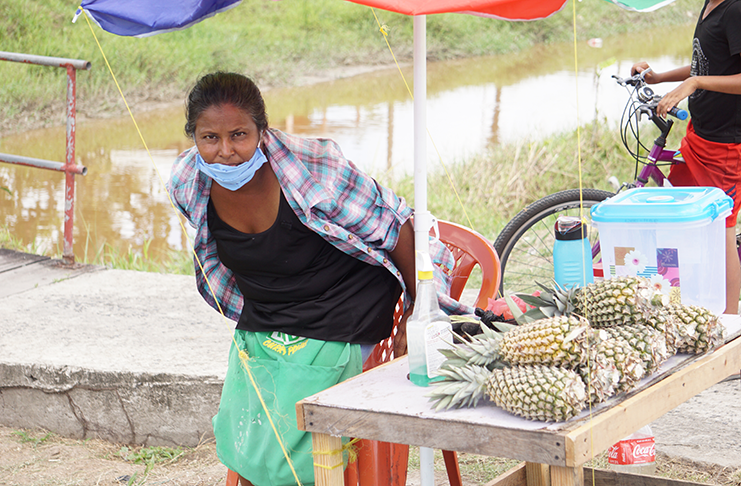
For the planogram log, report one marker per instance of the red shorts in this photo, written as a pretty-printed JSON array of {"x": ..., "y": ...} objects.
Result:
[{"x": 710, "y": 164}]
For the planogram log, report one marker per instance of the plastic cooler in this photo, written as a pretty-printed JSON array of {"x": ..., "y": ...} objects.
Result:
[{"x": 673, "y": 235}]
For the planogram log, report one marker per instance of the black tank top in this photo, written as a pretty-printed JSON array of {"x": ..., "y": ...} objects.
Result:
[{"x": 296, "y": 282}]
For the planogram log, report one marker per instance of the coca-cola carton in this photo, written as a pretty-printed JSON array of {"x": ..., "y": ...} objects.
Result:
[{"x": 636, "y": 453}]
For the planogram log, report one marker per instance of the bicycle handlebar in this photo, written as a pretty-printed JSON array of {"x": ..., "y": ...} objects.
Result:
[
  {"x": 679, "y": 113},
  {"x": 646, "y": 95}
]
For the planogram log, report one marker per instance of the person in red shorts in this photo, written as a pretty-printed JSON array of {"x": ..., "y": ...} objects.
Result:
[{"x": 712, "y": 146}]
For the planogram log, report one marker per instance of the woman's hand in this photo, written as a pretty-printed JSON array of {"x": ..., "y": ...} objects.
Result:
[
  {"x": 673, "y": 97},
  {"x": 649, "y": 75}
]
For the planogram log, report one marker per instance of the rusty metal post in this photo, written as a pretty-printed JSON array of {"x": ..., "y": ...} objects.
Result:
[
  {"x": 68, "y": 167},
  {"x": 68, "y": 253}
]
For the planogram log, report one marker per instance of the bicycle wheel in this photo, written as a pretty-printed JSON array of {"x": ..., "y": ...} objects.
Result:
[{"x": 525, "y": 245}]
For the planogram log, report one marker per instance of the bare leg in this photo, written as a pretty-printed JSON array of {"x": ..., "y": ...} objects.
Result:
[
  {"x": 733, "y": 273},
  {"x": 244, "y": 482}
]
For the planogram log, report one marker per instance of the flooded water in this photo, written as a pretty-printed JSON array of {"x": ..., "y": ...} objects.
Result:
[{"x": 473, "y": 105}]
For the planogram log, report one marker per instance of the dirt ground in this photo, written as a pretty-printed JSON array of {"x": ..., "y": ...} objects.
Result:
[
  {"x": 36, "y": 458},
  {"x": 33, "y": 458}
]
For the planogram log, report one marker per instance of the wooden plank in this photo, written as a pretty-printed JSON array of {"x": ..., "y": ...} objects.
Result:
[
  {"x": 601, "y": 477},
  {"x": 537, "y": 474},
  {"x": 517, "y": 476},
  {"x": 383, "y": 405},
  {"x": 621, "y": 420},
  {"x": 532, "y": 445},
  {"x": 567, "y": 476},
  {"x": 40, "y": 272},
  {"x": 328, "y": 470},
  {"x": 10, "y": 259}
]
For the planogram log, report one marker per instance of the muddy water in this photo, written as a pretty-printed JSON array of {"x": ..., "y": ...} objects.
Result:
[{"x": 473, "y": 105}]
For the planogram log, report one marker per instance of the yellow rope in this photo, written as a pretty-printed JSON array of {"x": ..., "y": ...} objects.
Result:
[
  {"x": 352, "y": 454},
  {"x": 581, "y": 217},
  {"x": 384, "y": 30},
  {"x": 244, "y": 358}
]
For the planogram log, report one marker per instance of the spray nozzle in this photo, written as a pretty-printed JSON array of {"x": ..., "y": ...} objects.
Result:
[{"x": 424, "y": 266}]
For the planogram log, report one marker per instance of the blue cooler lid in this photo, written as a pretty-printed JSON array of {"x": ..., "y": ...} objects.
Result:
[{"x": 663, "y": 205}]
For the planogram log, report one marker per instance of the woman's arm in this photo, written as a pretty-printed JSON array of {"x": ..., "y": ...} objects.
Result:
[
  {"x": 721, "y": 84},
  {"x": 653, "y": 77},
  {"x": 403, "y": 257}
]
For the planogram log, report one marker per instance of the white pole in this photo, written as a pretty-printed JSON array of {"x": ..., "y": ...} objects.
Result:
[
  {"x": 426, "y": 467},
  {"x": 422, "y": 217}
]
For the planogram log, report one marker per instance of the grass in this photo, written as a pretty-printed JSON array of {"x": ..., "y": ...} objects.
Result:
[
  {"x": 275, "y": 42},
  {"x": 488, "y": 190},
  {"x": 34, "y": 439}
]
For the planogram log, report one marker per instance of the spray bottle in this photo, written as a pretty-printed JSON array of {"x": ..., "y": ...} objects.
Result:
[{"x": 428, "y": 328}]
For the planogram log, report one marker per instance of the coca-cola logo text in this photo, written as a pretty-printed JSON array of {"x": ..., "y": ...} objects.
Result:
[{"x": 644, "y": 450}]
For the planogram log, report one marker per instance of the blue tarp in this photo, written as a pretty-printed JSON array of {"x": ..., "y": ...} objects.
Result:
[{"x": 140, "y": 18}]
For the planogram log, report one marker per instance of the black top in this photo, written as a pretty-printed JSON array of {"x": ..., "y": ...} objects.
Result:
[
  {"x": 716, "y": 50},
  {"x": 296, "y": 282}
]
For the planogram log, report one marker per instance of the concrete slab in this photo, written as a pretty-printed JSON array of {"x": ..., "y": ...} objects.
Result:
[
  {"x": 119, "y": 355},
  {"x": 706, "y": 428}
]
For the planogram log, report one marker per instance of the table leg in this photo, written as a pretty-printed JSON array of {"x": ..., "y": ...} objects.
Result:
[
  {"x": 537, "y": 474},
  {"x": 545, "y": 475},
  {"x": 567, "y": 476},
  {"x": 328, "y": 467}
]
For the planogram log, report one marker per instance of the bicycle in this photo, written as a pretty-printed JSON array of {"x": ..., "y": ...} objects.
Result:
[{"x": 525, "y": 245}]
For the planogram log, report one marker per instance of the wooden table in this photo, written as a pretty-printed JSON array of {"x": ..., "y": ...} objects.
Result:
[{"x": 383, "y": 405}]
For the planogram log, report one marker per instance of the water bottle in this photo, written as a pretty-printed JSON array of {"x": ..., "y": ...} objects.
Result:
[
  {"x": 572, "y": 253},
  {"x": 428, "y": 329},
  {"x": 635, "y": 454}
]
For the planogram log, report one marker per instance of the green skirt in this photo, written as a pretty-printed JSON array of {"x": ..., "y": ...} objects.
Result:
[{"x": 286, "y": 369}]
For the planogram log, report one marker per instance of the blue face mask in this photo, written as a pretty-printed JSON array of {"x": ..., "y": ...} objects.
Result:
[{"x": 232, "y": 177}]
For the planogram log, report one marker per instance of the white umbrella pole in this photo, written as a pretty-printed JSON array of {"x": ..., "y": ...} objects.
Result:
[{"x": 422, "y": 217}]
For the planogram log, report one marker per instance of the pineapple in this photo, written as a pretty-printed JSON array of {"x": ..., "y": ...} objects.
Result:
[
  {"x": 650, "y": 344},
  {"x": 617, "y": 301},
  {"x": 607, "y": 303},
  {"x": 665, "y": 323},
  {"x": 626, "y": 359},
  {"x": 533, "y": 392},
  {"x": 601, "y": 377},
  {"x": 699, "y": 329},
  {"x": 555, "y": 341}
]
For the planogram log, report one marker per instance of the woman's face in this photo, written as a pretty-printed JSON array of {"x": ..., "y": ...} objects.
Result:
[{"x": 226, "y": 135}]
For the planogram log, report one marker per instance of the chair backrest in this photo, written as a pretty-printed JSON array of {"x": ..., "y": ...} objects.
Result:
[{"x": 469, "y": 249}]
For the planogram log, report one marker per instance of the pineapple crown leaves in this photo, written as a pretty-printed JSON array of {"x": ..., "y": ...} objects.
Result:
[
  {"x": 480, "y": 350},
  {"x": 460, "y": 387},
  {"x": 552, "y": 301}
]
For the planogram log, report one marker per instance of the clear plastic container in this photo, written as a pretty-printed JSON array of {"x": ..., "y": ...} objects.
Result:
[
  {"x": 673, "y": 235},
  {"x": 428, "y": 331}
]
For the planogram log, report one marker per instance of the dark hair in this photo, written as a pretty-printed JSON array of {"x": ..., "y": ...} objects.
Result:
[{"x": 221, "y": 88}]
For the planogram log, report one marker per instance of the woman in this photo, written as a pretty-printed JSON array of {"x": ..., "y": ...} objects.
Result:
[{"x": 309, "y": 256}]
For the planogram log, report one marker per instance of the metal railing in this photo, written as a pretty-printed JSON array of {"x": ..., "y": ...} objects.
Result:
[{"x": 68, "y": 167}]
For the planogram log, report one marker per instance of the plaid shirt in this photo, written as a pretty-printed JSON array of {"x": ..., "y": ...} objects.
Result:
[{"x": 329, "y": 195}]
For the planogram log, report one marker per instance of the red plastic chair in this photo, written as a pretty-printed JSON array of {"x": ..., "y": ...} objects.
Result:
[{"x": 384, "y": 463}]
